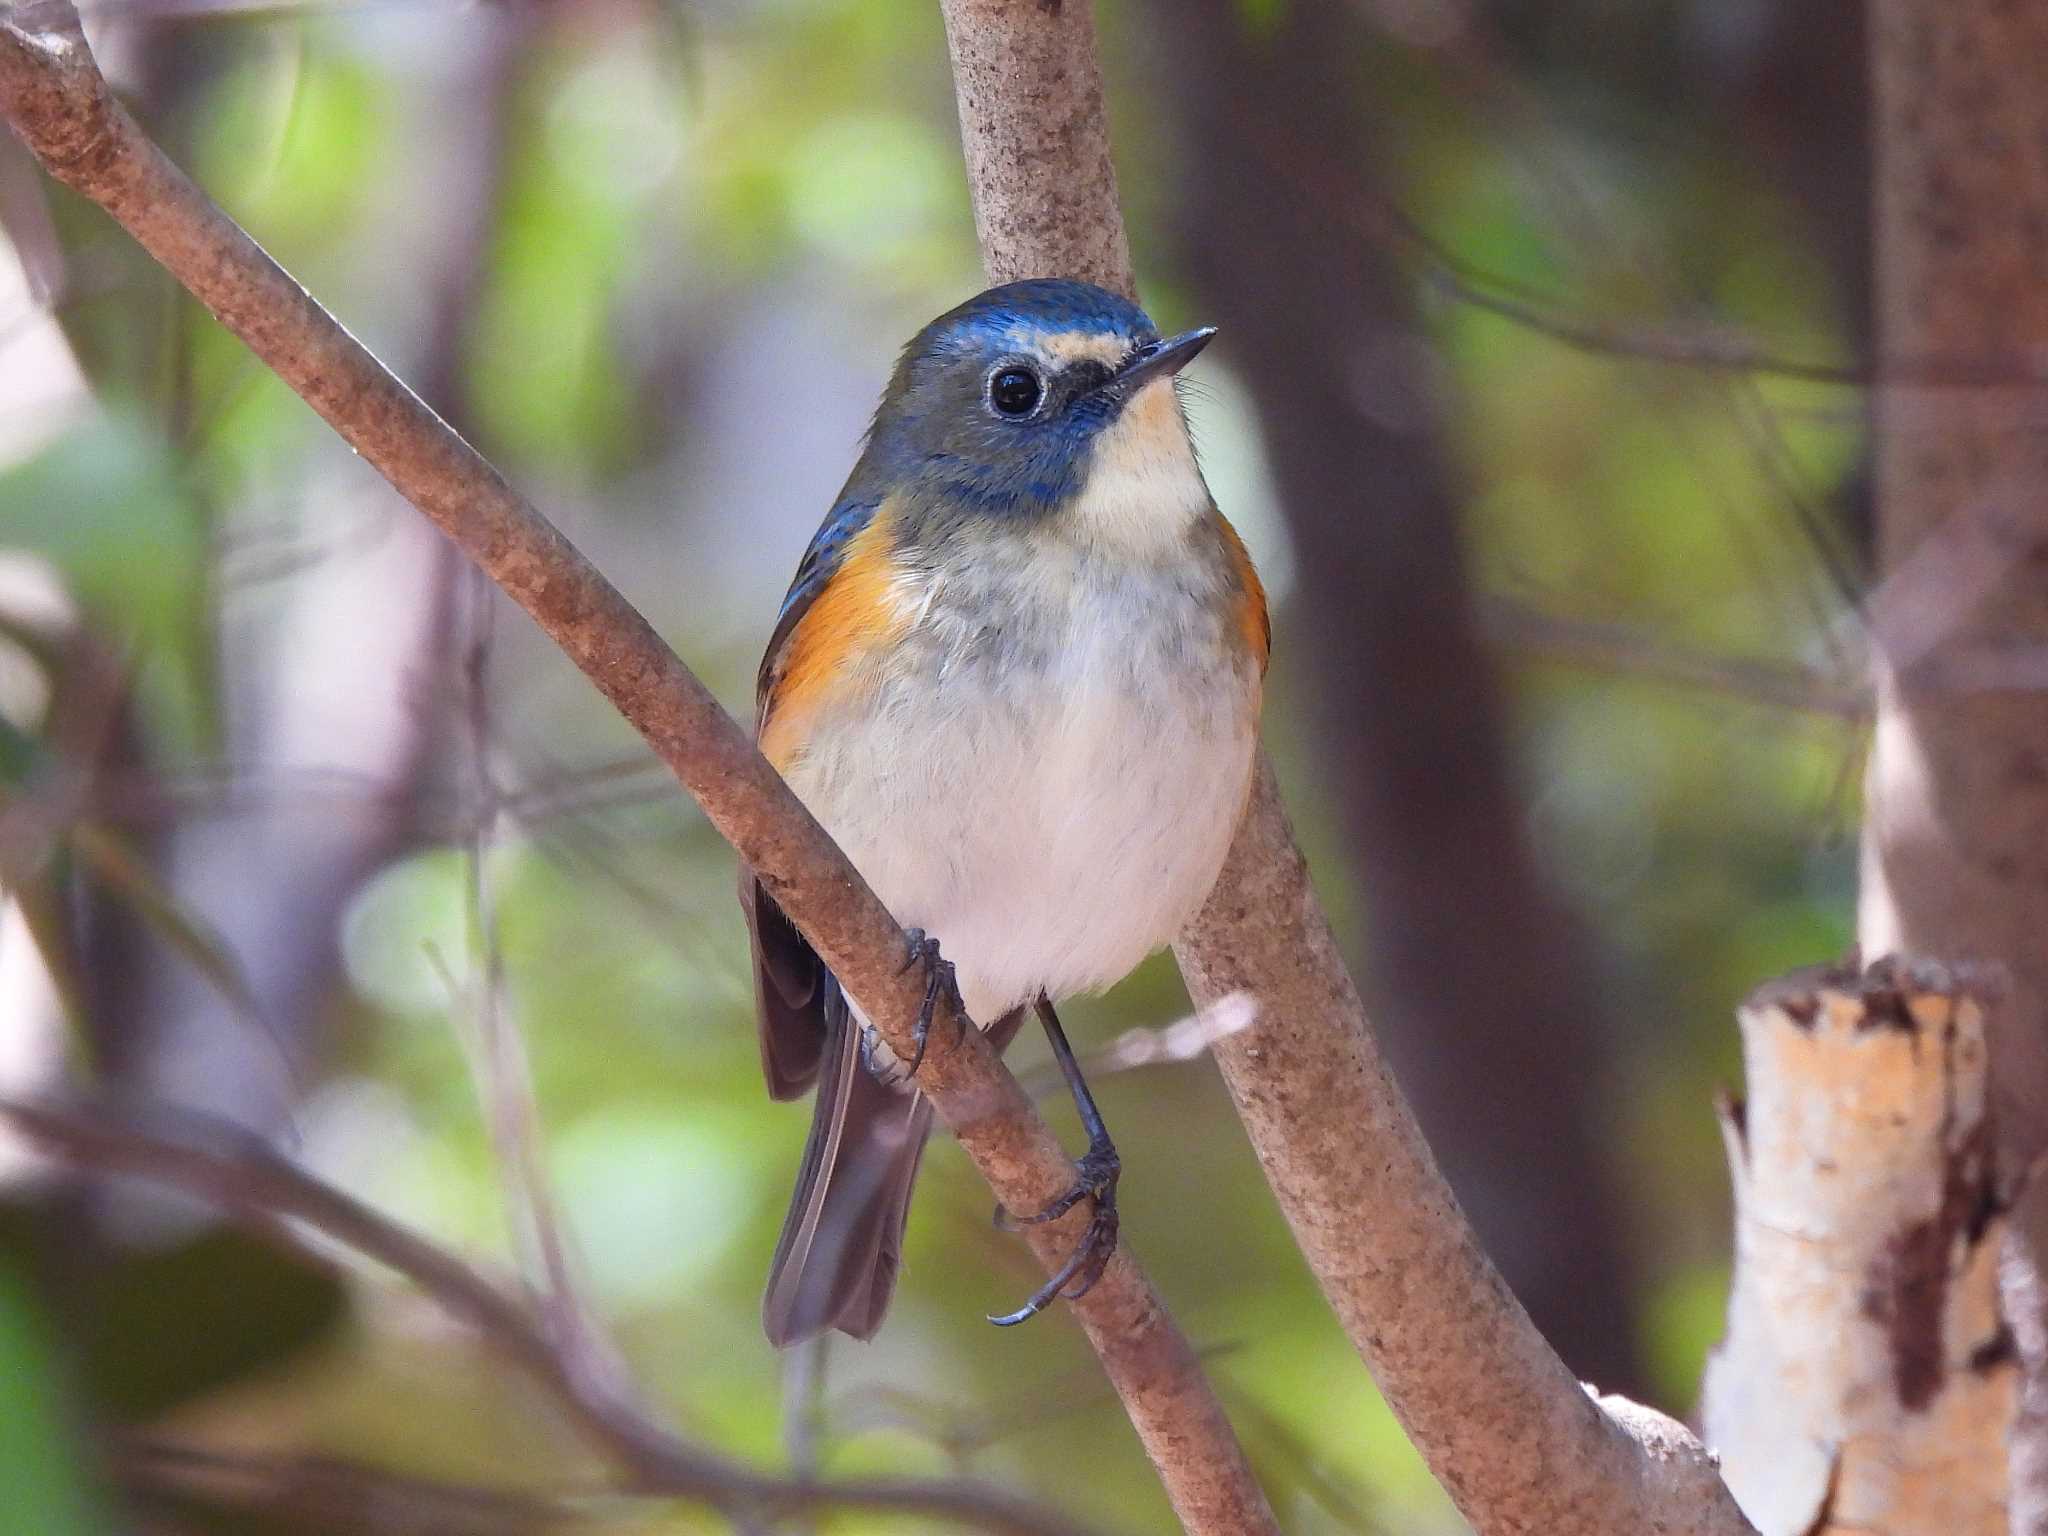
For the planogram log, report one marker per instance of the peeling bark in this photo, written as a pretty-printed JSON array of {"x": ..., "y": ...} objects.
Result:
[{"x": 1867, "y": 1382}]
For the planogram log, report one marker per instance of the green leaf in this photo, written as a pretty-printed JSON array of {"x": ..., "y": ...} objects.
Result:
[
  {"x": 43, "y": 1486},
  {"x": 108, "y": 506}
]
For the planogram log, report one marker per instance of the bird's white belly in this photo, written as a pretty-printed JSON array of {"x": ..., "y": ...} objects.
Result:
[{"x": 1050, "y": 825}]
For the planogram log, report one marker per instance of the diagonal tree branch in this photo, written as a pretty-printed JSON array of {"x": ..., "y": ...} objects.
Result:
[
  {"x": 1516, "y": 1442},
  {"x": 58, "y": 103},
  {"x": 235, "y": 1170},
  {"x": 173, "y": 1484}
]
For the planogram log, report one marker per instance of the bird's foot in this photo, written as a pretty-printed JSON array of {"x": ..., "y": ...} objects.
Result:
[
  {"x": 939, "y": 981},
  {"x": 1100, "y": 1168}
]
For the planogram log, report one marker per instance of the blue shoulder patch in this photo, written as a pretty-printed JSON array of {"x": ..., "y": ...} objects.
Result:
[{"x": 813, "y": 574}]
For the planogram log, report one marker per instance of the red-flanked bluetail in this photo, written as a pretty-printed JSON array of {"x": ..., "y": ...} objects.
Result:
[{"x": 1018, "y": 679}]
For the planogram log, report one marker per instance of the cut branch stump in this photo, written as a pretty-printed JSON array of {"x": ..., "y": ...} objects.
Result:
[{"x": 1867, "y": 1382}]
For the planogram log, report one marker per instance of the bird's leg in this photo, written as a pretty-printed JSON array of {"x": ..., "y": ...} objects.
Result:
[
  {"x": 1099, "y": 1168},
  {"x": 939, "y": 981}
]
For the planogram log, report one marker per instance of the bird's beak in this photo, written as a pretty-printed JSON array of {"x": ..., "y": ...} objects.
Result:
[{"x": 1159, "y": 360}]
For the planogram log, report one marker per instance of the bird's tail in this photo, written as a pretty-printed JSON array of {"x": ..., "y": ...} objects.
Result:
[{"x": 842, "y": 1242}]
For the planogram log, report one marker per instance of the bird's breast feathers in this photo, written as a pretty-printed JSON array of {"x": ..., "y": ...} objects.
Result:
[
  {"x": 1043, "y": 766},
  {"x": 1035, "y": 739}
]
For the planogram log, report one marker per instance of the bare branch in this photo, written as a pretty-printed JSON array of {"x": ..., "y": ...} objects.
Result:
[
  {"x": 57, "y": 102},
  {"x": 238, "y": 1172},
  {"x": 322, "y": 1494},
  {"x": 1699, "y": 345},
  {"x": 1515, "y": 1441},
  {"x": 1036, "y": 135},
  {"x": 499, "y": 1064},
  {"x": 1529, "y": 632}
]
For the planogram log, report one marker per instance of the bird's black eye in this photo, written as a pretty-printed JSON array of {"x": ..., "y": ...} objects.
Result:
[{"x": 1015, "y": 391}]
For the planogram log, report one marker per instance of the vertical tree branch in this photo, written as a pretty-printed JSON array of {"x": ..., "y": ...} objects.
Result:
[
  {"x": 53, "y": 96},
  {"x": 1954, "y": 861},
  {"x": 1516, "y": 1442},
  {"x": 1035, "y": 131}
]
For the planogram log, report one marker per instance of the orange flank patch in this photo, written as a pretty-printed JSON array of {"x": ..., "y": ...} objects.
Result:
[
  {"x": 859, "y": 609},
  {"x": 1253, "y": 622}
]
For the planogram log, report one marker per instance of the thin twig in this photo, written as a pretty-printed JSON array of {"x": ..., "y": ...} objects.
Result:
[
  {"x": 1185, "y": 1039},
  {"x": 500, "y": 1065},
  {"x": 1475, "y": 55},
  {"x": 1707, "y": 347},
  {"x": 963, "y": 1431},
  {"x": 1619, "y": 648},
  {"x": 317, "y": 1493},
  {"x": 239, "y": 1173}
]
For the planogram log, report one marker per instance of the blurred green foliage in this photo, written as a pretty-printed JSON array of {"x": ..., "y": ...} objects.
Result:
[
  {"x": 43, "y": 1485},
  {"x": 725, "y": 225}
]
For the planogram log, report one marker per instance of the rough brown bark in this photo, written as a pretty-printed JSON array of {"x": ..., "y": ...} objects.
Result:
[
  {"x": 1035, "y": 131},
  {"x": 1483, "y": 987},
  {"x": 1514, "y": 1439},
  {"x": 54, "y": 98},
  {"x": 1954, "y": 857}
]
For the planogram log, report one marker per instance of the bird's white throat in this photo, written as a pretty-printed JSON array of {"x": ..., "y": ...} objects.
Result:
[{"x": 1144, "y": 488}]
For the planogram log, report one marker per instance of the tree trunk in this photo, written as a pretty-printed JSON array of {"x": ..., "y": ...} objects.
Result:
[{"x": 1955, "y": 860}]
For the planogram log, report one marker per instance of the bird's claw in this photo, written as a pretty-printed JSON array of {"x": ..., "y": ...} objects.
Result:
[
  {"x": 939, "y": 981},
  {"x": 1099, "y": 1171}
]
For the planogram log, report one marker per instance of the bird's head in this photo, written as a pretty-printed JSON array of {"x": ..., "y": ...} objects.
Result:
[{"x": 1042, "y": 399}]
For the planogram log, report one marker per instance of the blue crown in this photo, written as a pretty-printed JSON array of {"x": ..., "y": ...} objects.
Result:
[{"x": 1044, "y": 303}]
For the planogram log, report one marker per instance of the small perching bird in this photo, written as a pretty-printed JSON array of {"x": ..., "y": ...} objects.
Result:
[{"x": 1017, "y": 678}]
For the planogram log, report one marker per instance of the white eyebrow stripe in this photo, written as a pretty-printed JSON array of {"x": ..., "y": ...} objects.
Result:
[{"x": 1068, "y": 347}]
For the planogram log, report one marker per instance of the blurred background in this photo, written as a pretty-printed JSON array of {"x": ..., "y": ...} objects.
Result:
[{"x": 1534, "y": 400}]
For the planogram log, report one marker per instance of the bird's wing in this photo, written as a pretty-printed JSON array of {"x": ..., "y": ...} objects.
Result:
[{"x": 789, "y": 979}]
